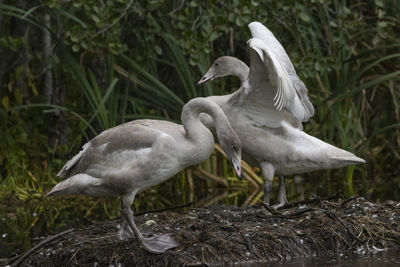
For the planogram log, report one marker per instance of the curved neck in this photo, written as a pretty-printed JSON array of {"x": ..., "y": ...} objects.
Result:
[
  {"x": 199, "y": 139},
  {"x": 194, "y": 128},
  {"x": 240, "y": 69}
]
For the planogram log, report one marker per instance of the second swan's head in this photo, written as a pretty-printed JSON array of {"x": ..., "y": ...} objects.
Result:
[
  {"x": 221, "y": 67},
  {"x": 230, "y": 143}
]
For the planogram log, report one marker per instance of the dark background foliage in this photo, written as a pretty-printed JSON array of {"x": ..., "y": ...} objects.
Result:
[{"x": 70, "y": 69}]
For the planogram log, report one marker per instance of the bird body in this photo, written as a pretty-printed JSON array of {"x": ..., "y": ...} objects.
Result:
[
  {"x": 132, "y": 148},
  {"x": 267, "y": 112},
  {"x": 136, "y": 155},
  {"x": 288, "y": 149}
]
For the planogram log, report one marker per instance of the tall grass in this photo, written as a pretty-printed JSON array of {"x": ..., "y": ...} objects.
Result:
[
  {"x": 351, "y": 70},
  {"x": 130, "y": 90},
  {"x": 351, "y": 79},
  {"x": 355, "y": 72},
  {"x": 345, "y": 51}
]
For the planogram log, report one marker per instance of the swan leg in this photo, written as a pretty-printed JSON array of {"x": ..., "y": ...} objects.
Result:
[
  {"x": 268, "y": 171},
  {"x": 124, "y": 232},
  {"x": 282, "y": 194},
  {"x": 267, "y": 191},
  {"x": 156, "y": 244}
]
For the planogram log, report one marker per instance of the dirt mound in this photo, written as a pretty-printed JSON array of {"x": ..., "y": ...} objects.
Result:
[{"x": 222, "y": 234}]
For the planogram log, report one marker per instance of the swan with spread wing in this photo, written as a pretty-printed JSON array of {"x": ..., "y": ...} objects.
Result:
[{"x": 267, "y": 112}]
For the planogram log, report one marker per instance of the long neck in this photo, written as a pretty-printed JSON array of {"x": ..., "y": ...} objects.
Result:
[
  {"x": 240, "y": 69},
  {"x": 196, "y": 132}
]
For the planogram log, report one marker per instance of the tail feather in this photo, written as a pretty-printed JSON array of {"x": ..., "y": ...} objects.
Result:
[
  {"x": 343, "y": 161},
  {"x": 80, "y": 184},
  {"x": 72, "y": 162},
  {"x": 355, "y": 160}
]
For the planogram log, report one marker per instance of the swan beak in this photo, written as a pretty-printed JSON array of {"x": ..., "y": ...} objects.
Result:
[
  {"x": 208, "y": 76},
  {"x": 237, "y": 167}
]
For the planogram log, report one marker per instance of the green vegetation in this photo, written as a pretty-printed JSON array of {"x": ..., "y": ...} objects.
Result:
[{"x": 70, "y": 69}]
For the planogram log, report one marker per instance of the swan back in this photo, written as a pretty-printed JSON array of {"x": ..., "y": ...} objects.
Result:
[{"x": 142, "y": 153}]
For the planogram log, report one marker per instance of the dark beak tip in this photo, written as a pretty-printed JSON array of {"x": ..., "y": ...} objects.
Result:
[
  {"x": 203, "y": 80},
  {"x": 240, "y": 177}
]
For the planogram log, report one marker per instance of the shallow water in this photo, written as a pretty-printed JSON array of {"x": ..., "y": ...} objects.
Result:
[{"x": 387, "y": 258}]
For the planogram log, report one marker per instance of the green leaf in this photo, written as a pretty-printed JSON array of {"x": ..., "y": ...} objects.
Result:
[
  {"x": 304, "y": 16},
  {"x": 6, "y": 102},
  {"x": 71, "y": 16},
  {"x": 76, "y": 48},
  {"x": 379, "y": 3},
  {"x": 213, "y": 36},
  {"x": 95, "y": 18},
  {"x": 27, "y": 13},
  {"x": 74, "y": 38}
]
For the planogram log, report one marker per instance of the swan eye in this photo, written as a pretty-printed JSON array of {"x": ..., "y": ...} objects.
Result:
[
  {"x": 234, "y": 148},
  {"x": 217, "y": 64}
]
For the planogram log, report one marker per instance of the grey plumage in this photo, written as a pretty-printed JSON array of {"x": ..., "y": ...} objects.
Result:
[
  {"x": 134, "y": 156},
  {"x": 268, "y": 119}
]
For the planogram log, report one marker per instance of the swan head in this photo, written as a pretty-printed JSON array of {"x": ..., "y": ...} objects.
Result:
[
  {"x": 224, "y": 66},
  {"x": 232, "y": 147}
]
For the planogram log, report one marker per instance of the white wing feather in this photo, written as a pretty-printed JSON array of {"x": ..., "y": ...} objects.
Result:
[
  {"x": 285, "y": 90},
  {"x": 301, "y": 107}
]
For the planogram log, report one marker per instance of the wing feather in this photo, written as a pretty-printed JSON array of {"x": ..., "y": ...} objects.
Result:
[
  {"x": 303, "y": 107},
  {"x": 267, "y": 73},
  {"x": 130, "y": 140}
]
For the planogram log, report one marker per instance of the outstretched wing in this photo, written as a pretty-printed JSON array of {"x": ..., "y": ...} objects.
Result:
[
  {"x": 269, "y": 94},
  {"x": 261, "y": 32}
]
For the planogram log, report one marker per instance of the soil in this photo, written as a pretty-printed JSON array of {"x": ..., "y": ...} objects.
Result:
[{"x": 230, "y": 235}]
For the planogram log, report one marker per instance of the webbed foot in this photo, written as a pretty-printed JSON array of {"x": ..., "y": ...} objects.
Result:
[
  {"x": 278, "y": 206},
  {"x": 125, "y": 232},
  {"x": 158, "y": 244},
  {"x": 282, "y": 194}
]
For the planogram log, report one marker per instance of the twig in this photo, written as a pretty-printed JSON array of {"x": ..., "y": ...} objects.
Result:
[
  {"x": 294, "y": 214},
  {"x": 217, "y": 179},
  {"x": 330, "y": 214},
  {"x": 213, "y": 199},
  {"x": 334, "y": 216},
  {"x": 271, "y": 210},
  {"x": 194, "y": 23},
  {"x": 309, "y": 201},
  {"x": 177, "y": 9},
  {"x": 249, "y": 198},
  {"x": 119, "y": 18},
  {"x": 246, "y": 167},
  {"x": 191, "y": 186},
  {"x": 348, "y": 200},
  {"x": 162, "y": 210},
  {"x": 51, "y": 238},
  {"x": 251, "y": 181}
]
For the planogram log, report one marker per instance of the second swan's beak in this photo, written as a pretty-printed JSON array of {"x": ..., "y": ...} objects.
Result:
[
  {"x": 237, "y": 167},
  {"x": 208, "y": 76}
]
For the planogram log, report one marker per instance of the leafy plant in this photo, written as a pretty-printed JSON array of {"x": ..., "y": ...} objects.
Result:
[{"x": 119, "y": 60}]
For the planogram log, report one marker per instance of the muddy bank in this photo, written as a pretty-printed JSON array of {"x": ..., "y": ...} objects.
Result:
[{"x": 227, "y": 235}]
